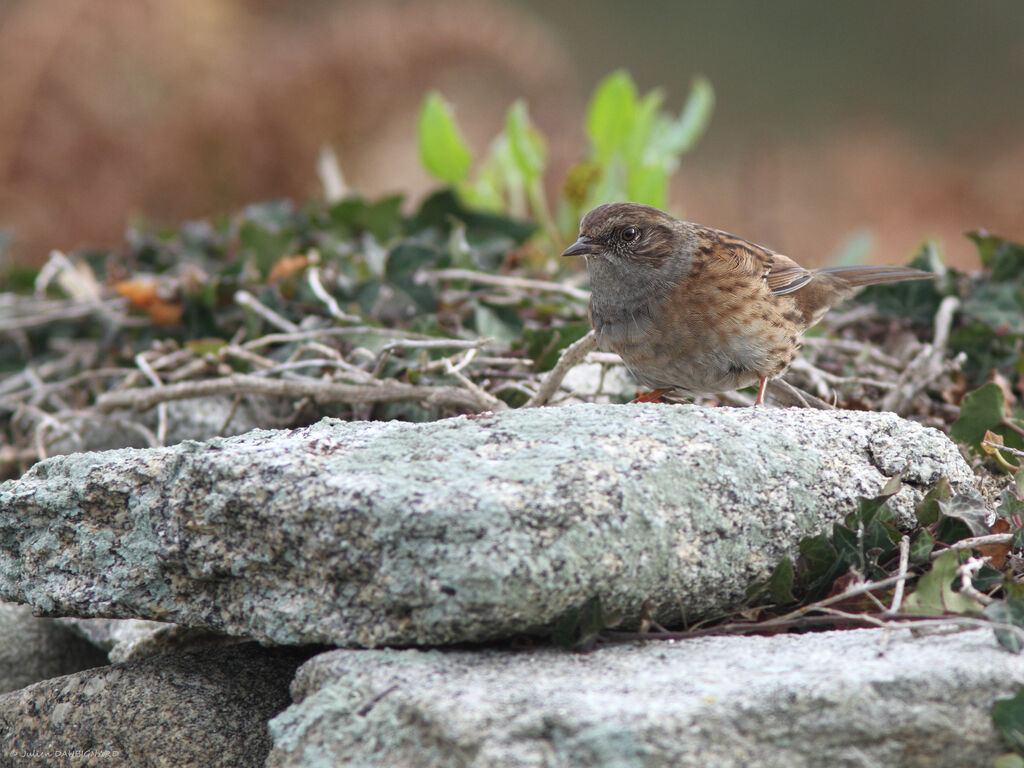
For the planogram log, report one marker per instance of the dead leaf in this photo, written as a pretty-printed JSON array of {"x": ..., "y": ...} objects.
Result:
[{"x": 144, "y": 294}]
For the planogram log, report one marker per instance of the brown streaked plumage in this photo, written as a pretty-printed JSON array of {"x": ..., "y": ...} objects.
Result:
[{"x": 693, "y": 309}]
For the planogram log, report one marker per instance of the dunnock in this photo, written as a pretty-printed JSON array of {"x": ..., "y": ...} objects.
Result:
[{"x": 699, "y": 311}]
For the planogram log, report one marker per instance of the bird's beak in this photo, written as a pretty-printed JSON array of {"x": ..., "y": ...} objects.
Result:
[{"x": 583, "y": 246}]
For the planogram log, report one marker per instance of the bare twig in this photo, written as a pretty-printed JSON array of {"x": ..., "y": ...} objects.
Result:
[
  {"x": 788, "y": 395},
  {"x": 161, "y": 431},
  {"x": 570, "y": 357},
  {"x": 974, "y": 542},
  {"x": 510, "y": 282},
  {"x": 966, "y": 572},
  {"x": 249, "y": 301},
  {"x": 897, "y": 595},
  {"x": 927, "y": 367},
  {"x": 45, "y": 313},
  {"x": 313, "y": 278},
  {"x": 383, "y": 391},
  {"x": 493, "y": 403},
  {"x": 438, "y": 344}
]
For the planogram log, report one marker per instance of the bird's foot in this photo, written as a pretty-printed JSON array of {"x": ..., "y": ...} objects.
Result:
[
  {"x": 760, "y": 391},
  {"x": 654, "y": 396}
]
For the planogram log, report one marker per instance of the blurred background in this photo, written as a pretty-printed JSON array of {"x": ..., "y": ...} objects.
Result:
[{"x": 867, "y": 126}]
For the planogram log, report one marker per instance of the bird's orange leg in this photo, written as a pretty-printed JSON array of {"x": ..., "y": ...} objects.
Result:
[
  {"x": 760, "y": 391},
  {"x": 651, "y": 397}
]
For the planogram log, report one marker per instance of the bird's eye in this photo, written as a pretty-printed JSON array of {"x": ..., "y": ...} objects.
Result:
[{"x": 629, "y": 234}]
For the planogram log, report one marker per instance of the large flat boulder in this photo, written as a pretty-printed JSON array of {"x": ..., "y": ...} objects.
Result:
[
  {"x": 857, "y": 698},
  {"x": 466, "y": 529}
]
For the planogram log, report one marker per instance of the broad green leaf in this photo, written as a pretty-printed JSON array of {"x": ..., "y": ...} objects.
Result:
[
  {"x": 611, "y": 114},
  {"x": 443, "y": 209},
  {"x": 443, "y": 151},
  {"x": 999, "y": 305},
  {"x": 819, "y": 565},
  {"x": 1009, "y": 760},
  {"x": 968, "y": 508},
  {"x": 928, "y": 511},
  {"x": 492, "y": 324},
  {"x": 610, "y": 186},
  {"x": 780, "y": 585},
  {"x": 677, "y": 137},
  {"x": 382, "y": 219},
  {"x": 1004, "y": 257},
  {"x": 509, "y": 174},
  {"x": 1008, "y": 715},
  {"x": 636, "y": 148},
  {"x": 1009, "y": 503},
  {"x": 981, "y": 410},
  {"x": 647, "y": 184},
  {"x": 486, "y": 191},
  {"x": 934, "y": 595},
  {"x": 407, "y": 258},
  {"x": 525, "y": 142},
  {"x": 987, "y": 579},
  {"x": 544, "y": 345},
  {"x": 265, "y": 244},
  {"x": 921, "y": 546}
]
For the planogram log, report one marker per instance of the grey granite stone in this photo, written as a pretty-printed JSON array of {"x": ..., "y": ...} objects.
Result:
[
  {"x": 33, "y": 649},
  {"x": 127, "y": 639},
  {"x": 465, "y": 529},
  {"x": 184, "y": 710},
  {"x": 852, "y": 699}
]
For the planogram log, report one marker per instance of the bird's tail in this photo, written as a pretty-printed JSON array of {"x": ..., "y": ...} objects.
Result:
[{"x": 855, "y": 277}]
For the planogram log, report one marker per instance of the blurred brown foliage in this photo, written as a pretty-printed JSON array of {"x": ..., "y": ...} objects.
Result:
[
  {"x": 805, "y": 196},
  {"x": 113, "y": 108}
]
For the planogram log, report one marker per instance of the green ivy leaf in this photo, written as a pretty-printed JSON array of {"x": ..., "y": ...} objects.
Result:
[
  {"x": 921, "y": 546},
  {"x": 999, "y": 305},
  {"x": 443, "y": 151},
  {"x": 970, "y": 509},
  {"x": 382, "y": 219},
  {"x": 935, "y": 596},
  {"x": 1008, "y": 715},
  {"x": 1009, "y": 503},
  {"x": 495, "y": 323},
  {"x": 442, "y": 209},
  {"x": 780, "y": 584},
  {"x": 928, "y": 511},
  {"x": 819, "y": 565},
  {"x": 265, "y": 245},
  {"x": 1004, "y": 257},
  {"x": 981, "y": 410}
]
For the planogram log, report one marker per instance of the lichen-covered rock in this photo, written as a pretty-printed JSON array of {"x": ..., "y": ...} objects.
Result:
[
  {"x": 464, "y": 529},
  {"x": 850, "y": 698}
]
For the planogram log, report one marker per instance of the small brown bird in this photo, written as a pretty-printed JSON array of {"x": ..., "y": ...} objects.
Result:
[{"x": 699, "y": 311}]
